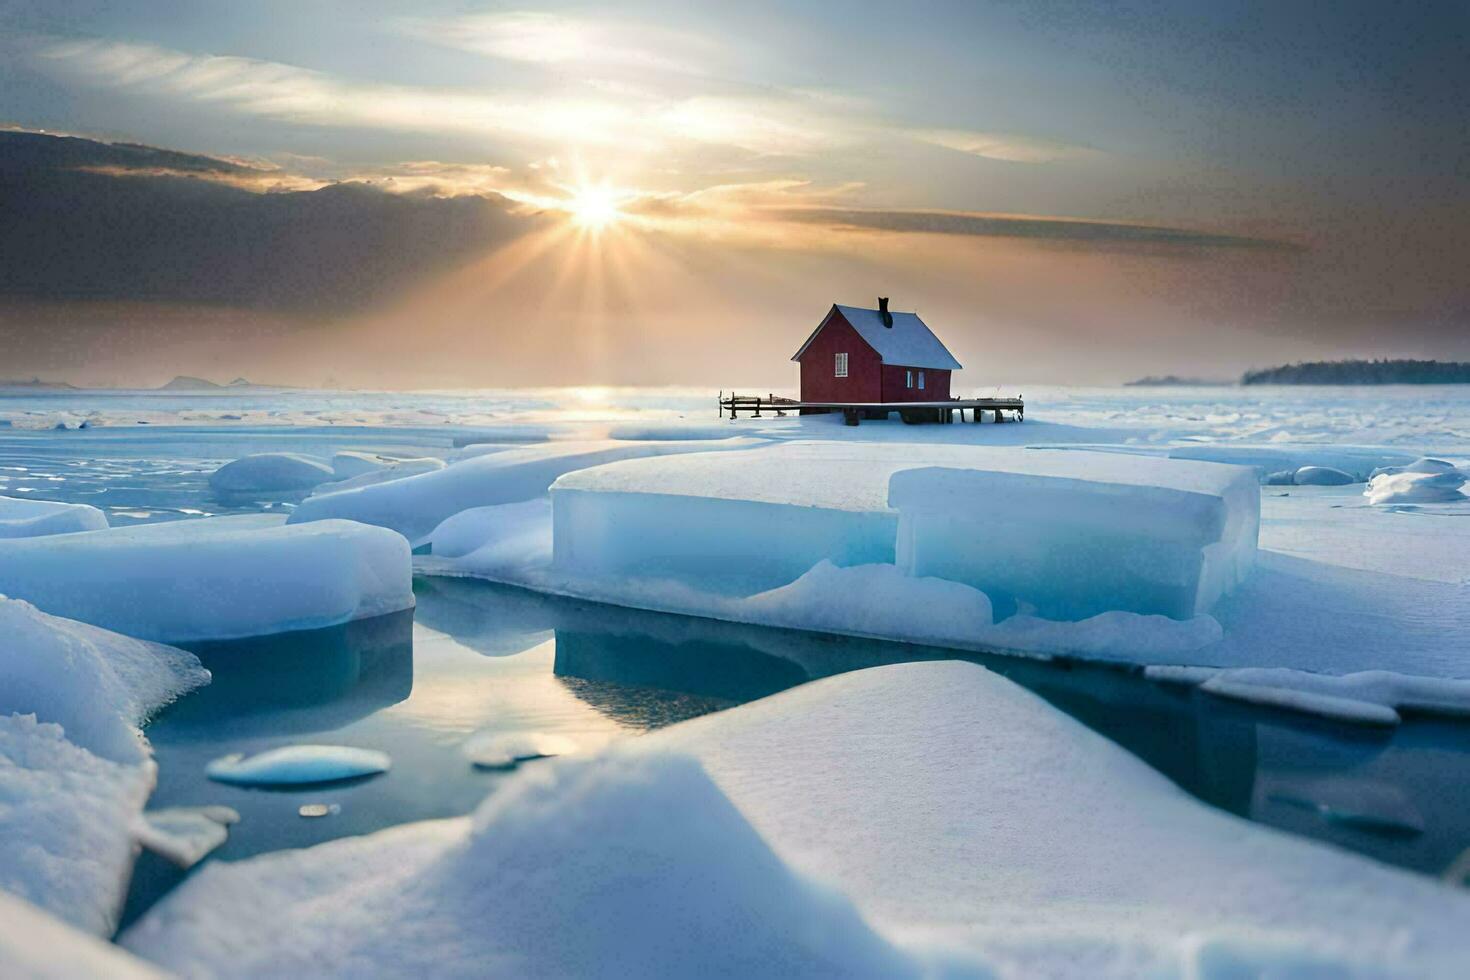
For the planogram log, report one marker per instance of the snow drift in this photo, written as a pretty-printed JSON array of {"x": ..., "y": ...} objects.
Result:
[{"x": 603, "y": 867}]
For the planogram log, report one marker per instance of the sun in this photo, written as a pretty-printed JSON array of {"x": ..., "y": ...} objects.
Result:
[{"x": 594, "y": 208}]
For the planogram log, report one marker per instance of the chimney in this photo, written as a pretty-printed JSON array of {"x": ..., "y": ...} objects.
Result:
[{"x": 883, "y": 311}]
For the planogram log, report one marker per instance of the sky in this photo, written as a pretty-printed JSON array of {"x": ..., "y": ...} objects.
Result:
[{"x": 465, "y": 194}]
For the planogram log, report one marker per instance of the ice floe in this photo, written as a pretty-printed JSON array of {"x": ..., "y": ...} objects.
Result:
[
  {"x": 501, "y": 750},
  {"x": 212, "y": 579},
  {"x": 416, "y": 506},
  {"x": 22, "y": 518},
  {"x": 602, "y": 867},
  {"x": 186, "y": 835},
  {"x": 296, "y": 765},
  {"x": 1428, "y": 485},
  {"x": 1322, "y": 476},
  {"x": 957, "y": 809}
]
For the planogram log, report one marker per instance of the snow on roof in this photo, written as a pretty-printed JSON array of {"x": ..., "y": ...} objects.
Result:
[{"x": 909, "y": 342}]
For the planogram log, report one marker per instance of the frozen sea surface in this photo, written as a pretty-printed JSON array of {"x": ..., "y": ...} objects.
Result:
[{"x": 479, "y": 658}]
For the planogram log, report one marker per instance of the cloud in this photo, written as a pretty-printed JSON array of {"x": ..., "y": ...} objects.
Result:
[
  {"x": 1077, "y": 230},
  {"x": 769, "y": 123},
  {"x": 589, "y": 44},
  {"x": 95, "y": 221},
  {"x": 1004, "y": 146}
]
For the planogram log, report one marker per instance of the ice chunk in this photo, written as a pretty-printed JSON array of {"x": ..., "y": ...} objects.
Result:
[
  {"x": 298, "y": 765},
  {"x": 65, "y": 823},
  {"x": 1322, "y": 476},
  {"x": 1417, "y": 487},
  {"x": 473, "y": 529},
  {"x": 948, "y": 802},
  {"x": 417, "y": 505},
  {"x": 502, "y": 750},
  {"x": 185, "y": 835},
  {"x": 212, "y": 579},
  {"x": 22, "y": 518},
  {"x": 99, "y": 686},
  {"x": 1369, "y": 697},
  {"x": 1077, "y": 534},
  {"x": 270, "y": 473},
  {"x": 1357, "y": 461},
  {"x": 596, "y": 867},
  {"x": 36, "y": 946}
]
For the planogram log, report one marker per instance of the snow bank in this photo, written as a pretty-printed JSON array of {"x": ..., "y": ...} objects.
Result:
[
  {"x": 1370, "y": 697},
  {"x": 1076, "y": 534},
  {"x": 37, "y": 946},
  {"x": 602, "y": 867},
  {"x": 298, "y": 765},
  {"x": 270, "y": 473},
  {"x": 65, "y": 823},
  {"x": 955, "y": 808},
  {"x": 74, "y": 768},
  {"x": 98, "y": 686},
  {"x": 212, "y": 579},
  {"x": 418, "y": 504},
  {"x": 22, "y": 518}
]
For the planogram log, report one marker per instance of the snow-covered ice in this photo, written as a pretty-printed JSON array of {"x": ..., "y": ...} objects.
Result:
[
  {"x": 602, "y": 867},
  {"x": 23, "y": 518},
  {"x": 1417, "y": 487},
  {"x": 415, "y": 506},
  {"x": 296, "y": 765},
  {"x": 957, "y": 809},
  {"x": 212, "y": 579},
  {"x": 269, "y": 473},
  {"x": 1076, "y": 534},
  {"x": 1322, "y": 476},
  {"x": 393, "y": 470},
  {"x": 74, "y": 768}
]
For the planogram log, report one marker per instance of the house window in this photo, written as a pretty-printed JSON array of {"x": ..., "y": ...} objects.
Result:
[
  {"x": 908, "y": 379},
  {"x": 841, "y": 365},
  {"x": 921, "y": 380}
]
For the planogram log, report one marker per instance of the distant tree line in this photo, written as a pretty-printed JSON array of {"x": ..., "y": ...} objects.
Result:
[{"x": 1382, "y": 372}]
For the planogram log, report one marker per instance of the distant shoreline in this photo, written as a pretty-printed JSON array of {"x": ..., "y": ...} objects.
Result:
[{"x": 1388, "y": 372}]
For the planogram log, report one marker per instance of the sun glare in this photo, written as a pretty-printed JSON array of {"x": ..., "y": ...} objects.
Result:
[{"x": 594, "y": 207}]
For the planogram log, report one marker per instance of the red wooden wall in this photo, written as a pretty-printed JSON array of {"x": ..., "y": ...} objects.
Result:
[
  {"x": 936, "y": 384},
  {"x": 864, "y": 381}
]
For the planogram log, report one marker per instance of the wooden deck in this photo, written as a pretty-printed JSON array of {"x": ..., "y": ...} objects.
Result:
[{"x": 854, "y": 412}]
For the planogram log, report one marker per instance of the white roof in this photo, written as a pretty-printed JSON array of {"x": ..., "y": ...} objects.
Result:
[{"x": 908, "y": 343}]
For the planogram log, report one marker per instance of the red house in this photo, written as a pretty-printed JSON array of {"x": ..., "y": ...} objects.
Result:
[{"x": 860, "y": 355}]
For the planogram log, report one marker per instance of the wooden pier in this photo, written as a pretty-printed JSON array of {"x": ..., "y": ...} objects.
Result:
[{"x": 912, "y": 413}]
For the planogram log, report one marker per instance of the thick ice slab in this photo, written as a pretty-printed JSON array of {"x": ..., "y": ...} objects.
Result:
[
  {"x": 604, "y": 867},
  {"x": 1077, "y": 534},
  {"x": 750, "y": 521},
  {"x": 418, "y": 504},
  {"x": 212, "y": 579},
  {"x": 270, "y": 473},
  {"x": 954, "y": 807},
  {"x": 23, "y": 518}
]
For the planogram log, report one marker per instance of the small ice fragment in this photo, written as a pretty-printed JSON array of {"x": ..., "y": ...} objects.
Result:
[
  {"x": 185, "y": 835},
  {"x": 1322, "y": 476},
  {"x": 319, "y": 809},
  {"x": 502, "y": 750},
  {"x": 1282, "y": 478},
  {"x": 297, "y": 765}
]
